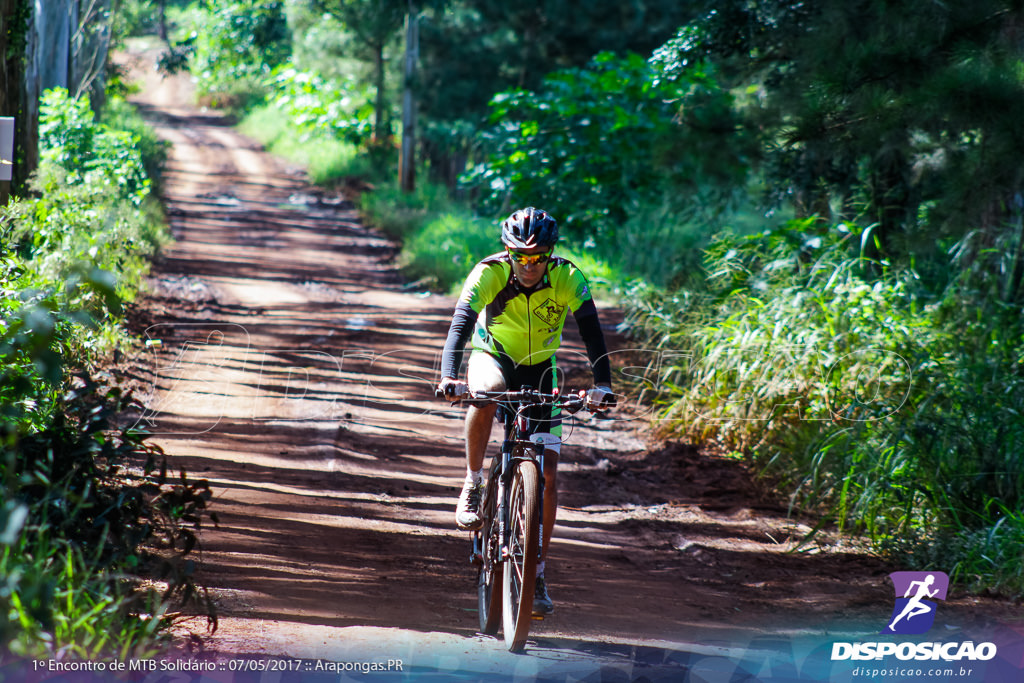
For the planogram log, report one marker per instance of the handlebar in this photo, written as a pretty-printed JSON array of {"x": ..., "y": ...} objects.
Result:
[{"x": 572, "y": 403}]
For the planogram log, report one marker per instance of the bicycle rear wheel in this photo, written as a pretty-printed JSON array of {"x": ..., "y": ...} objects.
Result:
[
  {"x": 521, "y": 566},
  {"x": 488, "y": 587}
]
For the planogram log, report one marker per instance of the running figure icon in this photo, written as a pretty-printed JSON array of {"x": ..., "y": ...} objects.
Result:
[
  {"x": 915, "y": 607},
  {"x": 917, "y": 590}
]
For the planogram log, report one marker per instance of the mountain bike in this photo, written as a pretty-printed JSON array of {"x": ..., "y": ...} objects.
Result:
[{"x": 507, "y": 547}]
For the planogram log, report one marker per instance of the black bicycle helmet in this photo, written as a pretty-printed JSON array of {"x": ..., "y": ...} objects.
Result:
[{"x": 528, "y": 228}]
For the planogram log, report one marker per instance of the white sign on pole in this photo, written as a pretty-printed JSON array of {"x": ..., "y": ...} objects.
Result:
[{"x": 6, "y": 147}]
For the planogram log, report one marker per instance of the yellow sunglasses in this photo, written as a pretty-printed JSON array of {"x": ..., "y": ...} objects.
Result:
[{"x": 529, "y": 259}]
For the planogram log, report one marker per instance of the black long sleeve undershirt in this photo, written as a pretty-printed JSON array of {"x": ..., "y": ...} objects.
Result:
[
  {"x": 463, "y": 321},
  {"x": 593, "y": 338}
]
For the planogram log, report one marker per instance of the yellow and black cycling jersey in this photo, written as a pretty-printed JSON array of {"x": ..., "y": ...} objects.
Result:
[
  {"x": 525, "y": 325},
  {"x": 519, "y": 324}
]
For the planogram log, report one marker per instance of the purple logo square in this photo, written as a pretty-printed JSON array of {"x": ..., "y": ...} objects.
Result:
[{"x": 914, "y": 611}]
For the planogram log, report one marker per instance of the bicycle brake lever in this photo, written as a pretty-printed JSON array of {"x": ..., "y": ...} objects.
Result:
[{"x": 573, "y": 407}]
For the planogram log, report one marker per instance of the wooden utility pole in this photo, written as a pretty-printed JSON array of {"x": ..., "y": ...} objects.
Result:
[{"x": 407, "y": 160}]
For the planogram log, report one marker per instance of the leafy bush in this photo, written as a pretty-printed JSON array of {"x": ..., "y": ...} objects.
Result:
[
  {"x": 583, "y": 143},
  {"x": 86, "y": 506},
  {"x": 607, "y": 150},
  {"x": 90, "y": 153},
  {"x": 119, "y": 115},
  {"x": 72, "y": 231},
  {"x": 91, "y": 213},
  {"x": 236, "y": 46},
  {"x": 320, "y": 107}
]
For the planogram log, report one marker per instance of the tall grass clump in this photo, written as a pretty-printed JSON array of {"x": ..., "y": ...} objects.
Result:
[
  {"x": 889, "y": 407},
  {"x": 401, "y": 214},
  {"x": 87, "y": 507},
  {"x": 445, "y": 249}
]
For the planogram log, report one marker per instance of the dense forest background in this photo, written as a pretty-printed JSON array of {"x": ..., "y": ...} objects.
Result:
[{"x": 812, "y": 214}]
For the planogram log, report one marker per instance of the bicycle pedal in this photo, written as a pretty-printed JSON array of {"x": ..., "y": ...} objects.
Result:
[{"x": 537, "y": 617}]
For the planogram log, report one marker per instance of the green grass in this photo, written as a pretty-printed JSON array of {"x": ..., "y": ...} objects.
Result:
[
  {"x": 55, "y": 601},
  {"x": 445, "y": 249},
  {"x": 440, "y": 247},
  {"x": 327, "y": 161}
]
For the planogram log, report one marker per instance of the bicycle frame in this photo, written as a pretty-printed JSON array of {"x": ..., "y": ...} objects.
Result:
[{"x": 516, "y": 449}]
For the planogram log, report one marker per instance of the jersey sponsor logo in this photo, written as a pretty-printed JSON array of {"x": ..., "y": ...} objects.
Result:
[
  {"x": 549, "y": 311},
  {"x": 583, "y": 291}
]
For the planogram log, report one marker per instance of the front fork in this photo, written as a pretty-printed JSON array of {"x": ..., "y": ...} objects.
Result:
[{"x": 509, "y": 457}]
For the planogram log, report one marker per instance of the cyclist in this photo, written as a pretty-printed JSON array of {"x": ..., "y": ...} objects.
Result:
[{"x": 513, "y": 305}]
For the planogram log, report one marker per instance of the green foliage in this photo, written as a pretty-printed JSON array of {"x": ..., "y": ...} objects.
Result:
[
  {"x": 873, "y": 112},
  {"x": 119, "y": 115},
  {"x": 136, "y": 18},
  {"x": 72, "y": 232},
  {"x": 476, "y": 48},
  {"x": 85, "y": 505},
  {"x": 327, "y": 160},
  {"x": 583, "y": 143},
  {"x": 317, "y": 106},
  {"x": 91, "y": 216},
  {"x": 887, "y": 408},
  {"x": 400, "y": 214},
  {"x": 603, "y": 148},
  {"x": 237, "y": 44},
  {"x": 444, "y": 250},
  {"x": 90, "y": 153},
  {"x": 442, "y": 241},
  {"x": 84, "y": 502}
]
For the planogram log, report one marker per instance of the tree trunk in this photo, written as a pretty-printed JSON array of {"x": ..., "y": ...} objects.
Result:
[
  {"x": 407, "y": 160},
  {"x": 54, "y": 31},
  {"x": 379, "y": 107},
  {"x": 15, "y": 33}
]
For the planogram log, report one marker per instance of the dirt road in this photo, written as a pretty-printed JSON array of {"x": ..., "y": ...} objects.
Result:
[{"x": 291, "y": 367}]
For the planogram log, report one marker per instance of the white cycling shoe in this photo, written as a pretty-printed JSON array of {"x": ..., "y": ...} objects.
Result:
[{"x": 467, "y": 512}]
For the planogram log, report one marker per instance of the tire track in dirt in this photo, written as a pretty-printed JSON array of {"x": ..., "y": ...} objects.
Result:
[{"x": 294, "y": 371}]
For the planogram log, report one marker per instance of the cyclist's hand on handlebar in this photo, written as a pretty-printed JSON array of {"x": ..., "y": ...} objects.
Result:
[
  {"x": 451, "y": 389},
  {"x": 600, "y": 399}
]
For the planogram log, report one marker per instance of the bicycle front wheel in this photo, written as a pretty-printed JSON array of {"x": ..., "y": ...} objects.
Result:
[
  {"x": 489, "y": 583},
  {"x": 521, "y": 564}
]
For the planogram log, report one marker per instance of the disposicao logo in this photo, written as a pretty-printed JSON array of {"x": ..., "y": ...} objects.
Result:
[{"x": 914, "y": 612}]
